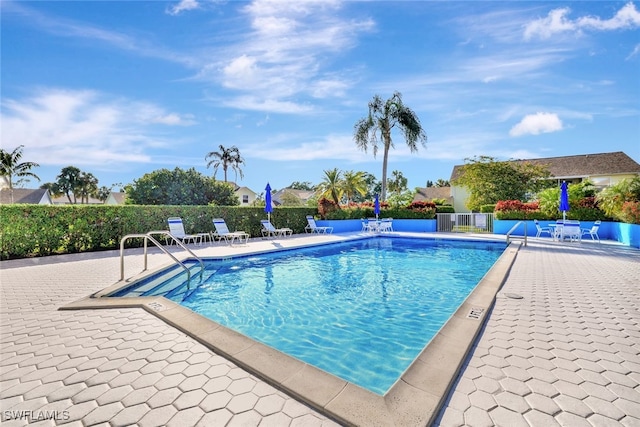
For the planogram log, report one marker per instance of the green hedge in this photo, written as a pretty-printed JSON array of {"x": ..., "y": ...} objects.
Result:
[
  {"x": 395, "y": 213},
  {"x": 41, "y": 230}
]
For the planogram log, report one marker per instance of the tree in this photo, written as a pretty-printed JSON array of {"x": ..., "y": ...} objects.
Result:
[
  {"x": 67, "y": 183},
  {"x": 331, "y": 186},
  {"x": 353, "y": 183},
  {"x": 87, "y": 187},
  {"x": 180, "y": 187},
  {"x": 11, "y": 167},
  {"x": 288, "y": 198},
  {"x": 398, "y": 183},
  {"x": 297, "y": 185},
  {"x": 226, "y": 157},
  {"x": 383, "y": 117},
  {"x": 442, "y": 183},
  {"x": 490, "y": 181}
]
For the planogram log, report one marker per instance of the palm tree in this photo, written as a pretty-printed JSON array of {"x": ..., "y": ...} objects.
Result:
[
  {"x": 226, "y": 157},
  {"x": 353, "y": 183},
  {"x": 11, "y": 167},
  {"x": 383, "y": 117},
  {"x": 331, "y": 186}
]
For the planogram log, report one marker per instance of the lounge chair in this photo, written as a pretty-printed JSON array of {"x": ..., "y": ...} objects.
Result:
[
  {"x": 268, "y": 230},
  {"x": 593, "y": 231},
  {"x": 176, "y": 228},
  {"x": 541, "y": 230},
  {"x": 222, "y": 232},
  {"x": 312, "y": 227}
]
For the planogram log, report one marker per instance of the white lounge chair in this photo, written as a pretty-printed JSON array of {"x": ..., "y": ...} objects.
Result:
[
  {"x": 268, "y": 230},
  {"x": 541, "y": 230},
  {"x": 312, "y": 227},
  {"x": 222, "y": 232},
  {"x": 593, "y": 231},
  {"x": 176, "y": 228}
]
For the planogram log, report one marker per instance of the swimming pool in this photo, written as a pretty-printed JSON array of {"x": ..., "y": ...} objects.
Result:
[{"x": 361, "y": 310}]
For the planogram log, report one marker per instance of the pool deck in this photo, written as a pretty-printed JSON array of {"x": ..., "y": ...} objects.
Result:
[{"x": 566, "y": 353}]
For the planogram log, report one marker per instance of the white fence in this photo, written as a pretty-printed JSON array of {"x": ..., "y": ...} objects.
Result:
[{"x": 465, "y": 222}]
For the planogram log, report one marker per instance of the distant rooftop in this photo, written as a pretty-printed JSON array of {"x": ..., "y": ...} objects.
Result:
[{"x": 582, "y": 165}]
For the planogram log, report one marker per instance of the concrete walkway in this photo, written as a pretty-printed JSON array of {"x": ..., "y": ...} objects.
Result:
[{"x": 567, "y": 353}]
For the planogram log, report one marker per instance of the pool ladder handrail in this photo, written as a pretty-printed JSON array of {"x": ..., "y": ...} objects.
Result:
[
  {"x": 509, "y": 237},
  {"x": 149, "y": 237}
]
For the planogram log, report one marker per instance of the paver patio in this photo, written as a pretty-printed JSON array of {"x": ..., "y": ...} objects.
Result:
[{"x": 567, "y": 353}]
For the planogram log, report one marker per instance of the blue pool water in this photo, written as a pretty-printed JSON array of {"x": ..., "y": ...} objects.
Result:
[{"x": 361, "y": 310}]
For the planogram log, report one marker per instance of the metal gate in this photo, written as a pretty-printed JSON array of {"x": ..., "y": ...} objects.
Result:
[{"x": 465, "y": 222}]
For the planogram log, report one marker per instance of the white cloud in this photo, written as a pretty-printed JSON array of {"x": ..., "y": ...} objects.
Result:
[
  {"x": 182, "y": 6},
  {"x": 534, "y": 124},
  {"x": 557, "y": 21},
  {"x": 283, "y": 55},
  {"x": 636, "y": 51},
  {"x": 83, "y": 127}
]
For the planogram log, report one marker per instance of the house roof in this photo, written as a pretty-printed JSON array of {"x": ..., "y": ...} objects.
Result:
[
  {"x": 430, "y": 193},
  {"x": 23, "y": 195},
  {"x": 580, "y": 166},
  {"x": 304, "y": 195},
  {"x": 117, "y": 197}
]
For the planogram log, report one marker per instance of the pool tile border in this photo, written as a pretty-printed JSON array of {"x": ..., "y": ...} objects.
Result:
[{"x": 413, "y": 400}]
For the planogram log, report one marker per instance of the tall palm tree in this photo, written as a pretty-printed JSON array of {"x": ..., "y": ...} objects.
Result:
[
  {"x": 353, "y": 182},
  {"x": 331, "y": 186},
  {"x": 383, "y": 117},
  {"x": 226, "y": 157},
  {"x": 10, "y": 165}
]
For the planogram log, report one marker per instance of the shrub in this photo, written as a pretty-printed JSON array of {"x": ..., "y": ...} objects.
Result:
[{"x": 630, "y": 212}]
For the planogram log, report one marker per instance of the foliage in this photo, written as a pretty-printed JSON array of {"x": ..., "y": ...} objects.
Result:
[
  {"x": 11, "y": 166},
  {"x": 353, "y": 183},
  {"x": 630, "y": 212},
  {"x": 412, "y": 210},
  {"x": 382, "y": 118},
  {"x": 401, "y": 199},
  {"x": 612, "y": 199},
  {"x": 487, "y": 208},
  {"x": 332, "y": 186},
  {"x": 326, "y": 207},
  {"x": 290, "y": 199},
  {"x": 445, "y": 209},
  {"x": 180, "y": 187},
  {"x": 41, "y": 230},
  {"x": 297, "y": 185},
  {"x": 225, "y": 157},
  {"x": 489, "y": 181},
  {"x": 582, "y": 203}
]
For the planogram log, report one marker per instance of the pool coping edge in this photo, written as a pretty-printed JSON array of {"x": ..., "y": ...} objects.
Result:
[{"x": 415, "y": 399}]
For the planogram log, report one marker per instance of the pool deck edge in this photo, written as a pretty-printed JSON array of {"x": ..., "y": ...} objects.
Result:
[{"x": 416, "y": 397}]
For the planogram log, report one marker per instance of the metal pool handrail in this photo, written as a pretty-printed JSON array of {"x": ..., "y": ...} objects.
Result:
[
  {"x": 514, "y": 229},
  {"x": 149, "y": 237}
]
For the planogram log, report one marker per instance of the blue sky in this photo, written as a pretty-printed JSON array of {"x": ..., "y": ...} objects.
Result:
[{"x": 120, "y": 89}]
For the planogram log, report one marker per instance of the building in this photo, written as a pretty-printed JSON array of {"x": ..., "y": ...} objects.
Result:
[
  {"x": 603, "y": 169},
  {"x": 40, "y": 196}
]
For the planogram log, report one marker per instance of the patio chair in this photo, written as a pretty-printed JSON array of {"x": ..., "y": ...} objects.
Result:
[
  {"x": 541, "y": 230},
  {"x": 268, "y": 230},
  {"x": 386, "y": 225},
  {"x": 222, "y": 232},
  {"x": 176, "y": 228},
  {"x": 571, "y": 230},
  {"x": 593, "y": 231},
  {"x": 312, "y": 227}
]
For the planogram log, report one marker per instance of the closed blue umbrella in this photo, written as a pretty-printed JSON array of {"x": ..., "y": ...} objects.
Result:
[
  {"x": 268, "y": 208},
  {"x": 267, "y": 201},
  {"x": 564, "y": 200},
  {"x": 376, "y": 206}
]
